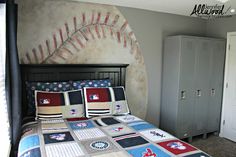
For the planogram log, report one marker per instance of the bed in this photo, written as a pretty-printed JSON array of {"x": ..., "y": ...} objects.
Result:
[{"x": 102, "y": 135}]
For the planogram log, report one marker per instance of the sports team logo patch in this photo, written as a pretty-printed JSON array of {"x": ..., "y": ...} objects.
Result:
[
  {"x": 129, "y": 118},
  {"x": 97, "y": 95},
  {"x": 73, "y": 111},
  {"x": 58, "y": 137},
  {"x": 149, "y": 153},
  {"x": 82, "y": 125},
  {"x": 177, "y": 147},
  {"x": 50, "y": 99},
  {"x": 118, "y": 108},
  {"x": 117, "y": 129},
  {"x": 44, "y": 101},
  {"x": 94, "y": 97},
  {"x": 155, "y": 133},
  {"x": 99, "y": 145}
]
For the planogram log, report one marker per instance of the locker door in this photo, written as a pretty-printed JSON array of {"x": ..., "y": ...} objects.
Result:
[
  {"x": 216, "y": 85},
  {"x": 202, "y": 76},
  {"x": 187, "y": 64}
]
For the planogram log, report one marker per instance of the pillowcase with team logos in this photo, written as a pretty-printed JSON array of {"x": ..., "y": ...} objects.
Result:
[
  {"x": 105, "y": 101},
  {"x": 56, "y": 105},
  {"x": 98, "y": 101},
  {"x": 43, "y": 86}
]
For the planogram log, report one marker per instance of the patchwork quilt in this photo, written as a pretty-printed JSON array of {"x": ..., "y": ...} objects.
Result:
[{"x": 119, "y": 136}]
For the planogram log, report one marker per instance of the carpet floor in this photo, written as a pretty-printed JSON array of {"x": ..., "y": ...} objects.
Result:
[{"x": 215, "y": 146}]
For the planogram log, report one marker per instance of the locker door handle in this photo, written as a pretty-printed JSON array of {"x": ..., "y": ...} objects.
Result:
[
  {"x": 199, "y": 93},
  {"x": 183, "y": 95},
  {"x": 213, "y": 92}
]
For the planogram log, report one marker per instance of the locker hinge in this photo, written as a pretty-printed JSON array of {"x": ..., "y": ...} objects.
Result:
[
  {"x": 223, "y": 122},
  {"x": 227, "y": 85},
  {"x": 229, "y": 47}
]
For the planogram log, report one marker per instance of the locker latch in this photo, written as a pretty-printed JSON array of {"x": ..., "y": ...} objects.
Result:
[
  {"x": 213, "y": 92},
  {"x": 183, "y": 94},
  {"x": 199, "y": 92}
]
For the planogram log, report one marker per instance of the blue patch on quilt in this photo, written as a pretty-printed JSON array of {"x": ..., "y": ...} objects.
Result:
[
  {"x": 28, "y": 142},
  {"x": 32, "y": 153},
  {"x": 57, "y": 137},
  {"x": 81, "y": 125},
  {"x": 198, "y": 155},
  {"x": 141, "y": 125},
  {"x": 147, "y": 151}
]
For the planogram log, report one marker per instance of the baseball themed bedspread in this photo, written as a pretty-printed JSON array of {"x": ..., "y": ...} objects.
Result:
[{"x": 119, "y": 136}]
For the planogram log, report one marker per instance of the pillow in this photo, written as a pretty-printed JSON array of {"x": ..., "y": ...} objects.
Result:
[
  {"x": 43, "y": 86},
  {"x": 105, "y": 101},
  {"x": 98, "y": 101},
  {"x": 56, "y": 105},
  {"x": 91, "y": 83}
]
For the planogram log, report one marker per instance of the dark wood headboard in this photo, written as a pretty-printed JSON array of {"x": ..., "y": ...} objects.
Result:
[{"x": 67, "y": 72}]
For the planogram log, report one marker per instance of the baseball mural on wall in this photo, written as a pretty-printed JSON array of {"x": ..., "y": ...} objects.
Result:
[{"x": 72, "y": 32}]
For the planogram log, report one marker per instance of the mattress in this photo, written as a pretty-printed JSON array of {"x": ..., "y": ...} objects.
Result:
[{"x": 107, "y": 136}]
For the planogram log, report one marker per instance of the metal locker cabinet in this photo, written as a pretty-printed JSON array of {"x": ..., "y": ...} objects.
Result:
[
  {"x": 186, "y": 87},
  {"x": 170, "y": 84},
  {"x": 201, "y": 83},
  {"x": 191, "y": 85},
  {"x": 216, "y": 85},
  {"x": 177, "y": 85}
]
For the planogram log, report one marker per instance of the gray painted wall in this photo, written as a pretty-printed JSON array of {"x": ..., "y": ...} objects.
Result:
[
  {"x": 150, "y": 29},
  {"x": 220, "y": 27}
]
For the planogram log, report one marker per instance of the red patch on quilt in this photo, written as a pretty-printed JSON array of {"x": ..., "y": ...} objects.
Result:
[
  {"x": 98, "y": 95},
  {"x": 50, "y": 99},
  {"x": 177, "y": 147}
]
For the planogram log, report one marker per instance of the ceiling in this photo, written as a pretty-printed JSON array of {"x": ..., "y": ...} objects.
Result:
[{"x": 180, "y": 7}]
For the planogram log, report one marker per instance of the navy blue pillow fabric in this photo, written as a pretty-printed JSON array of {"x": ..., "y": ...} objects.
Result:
[
  {"x": 91, "y": 83},
  {"x": 75, "y": 97},
  {"x": 119, "y": 93}
]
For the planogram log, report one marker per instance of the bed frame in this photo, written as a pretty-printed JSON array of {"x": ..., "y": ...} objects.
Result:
[{"x": 66, "y": 72}]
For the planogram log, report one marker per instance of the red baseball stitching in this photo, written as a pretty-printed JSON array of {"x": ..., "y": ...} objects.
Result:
[{"x": 81, "y": 35}]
